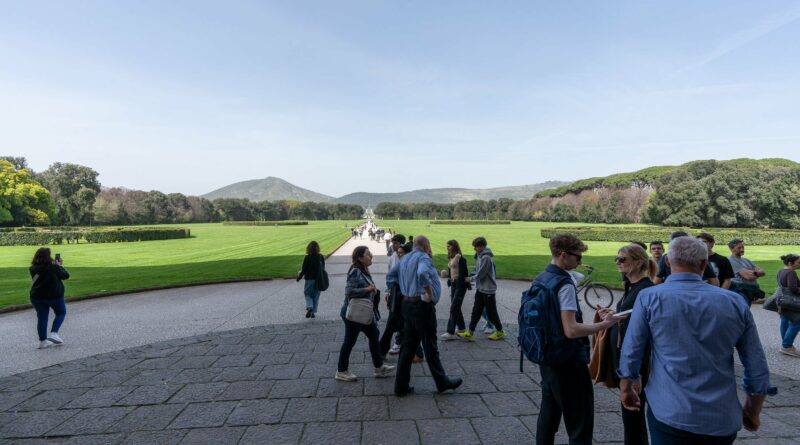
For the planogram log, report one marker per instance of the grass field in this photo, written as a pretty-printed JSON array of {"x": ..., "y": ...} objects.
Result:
[
  {"x": 214, "y": 253},
  {"x": 520, "y": 251}
]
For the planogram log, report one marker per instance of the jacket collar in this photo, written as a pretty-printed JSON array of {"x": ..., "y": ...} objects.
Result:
[
  {"x": 684, "y": 276},
  {"x": 552, "y": 268}
]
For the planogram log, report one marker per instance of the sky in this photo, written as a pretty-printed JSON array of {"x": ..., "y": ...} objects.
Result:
[{"x": 386, "y": 96}]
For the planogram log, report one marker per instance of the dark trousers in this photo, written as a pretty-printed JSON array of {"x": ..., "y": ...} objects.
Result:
[
  {"x": 456, "y": 319},
  {"x": 419, "y": 327},
  {"x": 634, "y": 424},
  {"x": 663, "y": 434},
  {"x": 351, "y": 331},
  {"x": 42, "y": 308},
  {"x": 488, "y": 302},
  {"x": 566, "y": 390},
  {"x": 394, "y": 324}
]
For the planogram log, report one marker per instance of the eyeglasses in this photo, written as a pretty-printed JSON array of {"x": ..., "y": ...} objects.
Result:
[
  {"x": 576, "y": 255},
  {"x": 620, "y": 259}
]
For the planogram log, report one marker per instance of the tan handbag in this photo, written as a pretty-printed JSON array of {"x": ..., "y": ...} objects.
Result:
[{"x": 359, "y": 310}]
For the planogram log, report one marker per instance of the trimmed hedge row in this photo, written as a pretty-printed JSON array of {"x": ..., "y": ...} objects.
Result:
[
  {"x": 265, "y": 223},
  {"x": 42, "y": 237},
  {"x": 755, "y": 237},
  {"x": 469, "y": 222}
]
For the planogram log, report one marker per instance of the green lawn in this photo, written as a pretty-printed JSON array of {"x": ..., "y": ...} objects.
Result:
[
  {"x": 521, "y": 252},
  {"x": 214, "y": 253}
]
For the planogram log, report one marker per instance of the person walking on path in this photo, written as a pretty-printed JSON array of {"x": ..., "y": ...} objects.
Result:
[
  {"x": 458, "y": 281},
  {"x": 639, "y": 270},
  {"x": 567, "y": 388},
  {"x": 47, "y": 292},
  {"x": 790, "y": 318},
  {"x": 692, "y": 329},
  {"x": 485, "y": 289},
  {"x": 360, "y": 285},
  {"x": 313, "y": 266},
  {"x": 420, "y": 287}
]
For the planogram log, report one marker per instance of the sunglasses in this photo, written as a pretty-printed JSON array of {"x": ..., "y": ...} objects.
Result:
[
  {"x": 576, "y": 255},
  {"x": 620, "y": 259}
]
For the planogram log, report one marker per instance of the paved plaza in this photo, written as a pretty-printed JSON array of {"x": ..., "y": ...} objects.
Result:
[{"x": 238, "y": 363}]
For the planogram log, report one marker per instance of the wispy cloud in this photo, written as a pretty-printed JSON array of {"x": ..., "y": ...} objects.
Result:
[{"x": 765, "y": 26}]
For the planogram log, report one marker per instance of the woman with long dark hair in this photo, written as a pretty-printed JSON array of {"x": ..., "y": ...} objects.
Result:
[
  {"x": 360, "y": 285},
  {"x": 458, "y": 280},
  {"x": 47, "y": 292},
  {"x": 790, "y": 319},
  {"x": 313, "y": 266}
]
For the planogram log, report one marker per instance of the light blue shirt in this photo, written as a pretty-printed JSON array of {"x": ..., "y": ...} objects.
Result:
[
  {"x": 693, "y": 328},
  {"x": 413, "y": 273}
]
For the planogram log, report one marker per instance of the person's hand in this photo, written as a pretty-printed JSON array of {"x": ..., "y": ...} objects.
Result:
[
  {"x": 747, "y": 274},
  {"x": 751, "y": 412},
  {"x": 629, "y": 394},
  {"x": 371, "y": 288}
]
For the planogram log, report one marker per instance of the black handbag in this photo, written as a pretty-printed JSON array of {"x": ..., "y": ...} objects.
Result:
[
  {"x": 322, "y": 282},
  {"x": 788, "y": 301}
]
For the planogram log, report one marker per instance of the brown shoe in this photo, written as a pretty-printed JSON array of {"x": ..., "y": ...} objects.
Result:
[{"x": 417, "y": 359}]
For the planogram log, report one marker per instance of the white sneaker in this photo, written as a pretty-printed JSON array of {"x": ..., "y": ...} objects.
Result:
[
  {"x": 345, "y": 376},
  {"x": 53, "y": 337},
  {"x": 384, "y": 371},
  {"x": 448, "y": 336},
  {"x": 488, "y": 330},
  {"x": 395, "y": 349},
  {"x": 790, "y": 351},
  {"x": 44, "y": 344}
]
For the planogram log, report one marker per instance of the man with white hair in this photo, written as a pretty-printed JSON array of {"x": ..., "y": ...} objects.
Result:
[{"x": 692, "y": 328}]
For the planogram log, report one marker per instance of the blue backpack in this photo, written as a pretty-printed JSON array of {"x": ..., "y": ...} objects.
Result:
[{"x": 541, "y": 336}]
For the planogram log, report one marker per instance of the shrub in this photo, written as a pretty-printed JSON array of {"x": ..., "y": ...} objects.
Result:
[
  {"x": 469, "y": 222},
  {"x": 44, "y": 236},
  {"x": 755, "y": 237},
  {"x": 265, "y": 223}
]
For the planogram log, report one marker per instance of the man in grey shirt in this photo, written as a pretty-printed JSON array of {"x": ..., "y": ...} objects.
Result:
[{"x": 746, "y": 274}]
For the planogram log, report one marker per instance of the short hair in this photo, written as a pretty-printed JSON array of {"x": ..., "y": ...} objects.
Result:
[
  {"x": 734, "y": 242},
  {"x": 790, "y": 258},
  {"x": 640, "y": 244},
  {"x": 399, "y": 239},
  {"x": 656, "y": 243},
  {"x": 706, "y": 237},
  {"x": 677, "y": 234},
  {"x": 421, "y": 241},
  {"x": 479, "y": 241},
  {"x": 566, "y": 243},
  {"x": 312, "y": 248},
  {"x": 687, "y": 251}
]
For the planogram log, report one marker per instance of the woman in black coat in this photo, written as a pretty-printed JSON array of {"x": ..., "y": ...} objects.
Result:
[
  {"x": 47, "y": 291},
  {"x": 458, "y": 280},
  {"x": 313, "y": 265}
]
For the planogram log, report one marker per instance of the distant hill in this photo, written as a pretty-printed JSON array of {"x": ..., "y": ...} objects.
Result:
[
  {"x": 273, "y": 189},
  {"x": 267, "y": 189}
]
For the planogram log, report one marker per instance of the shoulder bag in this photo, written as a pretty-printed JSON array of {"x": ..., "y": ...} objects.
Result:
[
  {"x": 360, "y": 310},
  {"x": 788, "y": 301},
  {"x": 772, "y": 302},
  {"x": 323, "y": 281}
]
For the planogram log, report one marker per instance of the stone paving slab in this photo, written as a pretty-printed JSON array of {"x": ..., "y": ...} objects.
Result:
[{"x": 274, "y": 384}]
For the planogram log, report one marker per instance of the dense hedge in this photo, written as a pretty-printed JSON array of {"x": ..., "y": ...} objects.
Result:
[
  {"x": 265, "y": 223},
  {"x": 756, "y": 237},
  {"x": 469, "y": 222},
  {"x": 41, "y": 237}
]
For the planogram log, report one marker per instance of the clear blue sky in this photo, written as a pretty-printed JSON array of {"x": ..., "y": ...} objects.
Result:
[{"x": 345, "y": 96}]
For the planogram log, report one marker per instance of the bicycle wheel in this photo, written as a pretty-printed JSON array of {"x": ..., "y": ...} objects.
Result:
[{"x": 598, "y": 296}]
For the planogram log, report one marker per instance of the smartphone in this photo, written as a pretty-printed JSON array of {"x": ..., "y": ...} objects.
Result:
[
  {"x": 58, "y": 257},
  {"x": 623, "y": 313}
]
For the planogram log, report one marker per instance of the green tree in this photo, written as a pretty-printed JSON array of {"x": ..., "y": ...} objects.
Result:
[
  {"x": 74, "y": 189},
  {"x": 23, "y": 201}
]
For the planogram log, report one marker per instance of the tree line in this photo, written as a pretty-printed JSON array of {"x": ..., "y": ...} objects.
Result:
[{"x": 71, "y": 195}]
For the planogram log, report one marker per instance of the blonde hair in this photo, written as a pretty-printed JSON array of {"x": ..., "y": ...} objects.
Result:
[{"x": 637, "y": 255}]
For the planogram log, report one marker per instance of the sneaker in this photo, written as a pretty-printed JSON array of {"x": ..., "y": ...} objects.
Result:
[
  {"x": 384, "y": 371},
  {"x": 395, "y": 349},
  {"x": 44, "y": 344},
  {"x": 448, "y": 336},
  {"x": 466, "y": 335},
  {"x": 791, "y": 351},
  {"x": 498, "y": 335},
  {"x": 488, "y": 330},
  {"x": 313, "y": 315},
  {"x": 55, "y": 339},
  {"x": 345, "y": 376},
  {"x": 308, "y": 313}
]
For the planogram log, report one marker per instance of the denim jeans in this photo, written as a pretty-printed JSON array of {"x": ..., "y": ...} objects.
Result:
[
  {"x": 312, "y": 295},
  {"x": 43, "y": 312},
  {"x": 663, "y": 434},
  {"x": 351, "y": 331},
  {"x": 789, "y": 331}
]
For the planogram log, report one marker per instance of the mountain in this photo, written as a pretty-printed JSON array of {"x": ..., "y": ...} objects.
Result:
[
  {"x": 273, "y": 189},
  {"x": 267, "y": 189}
]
